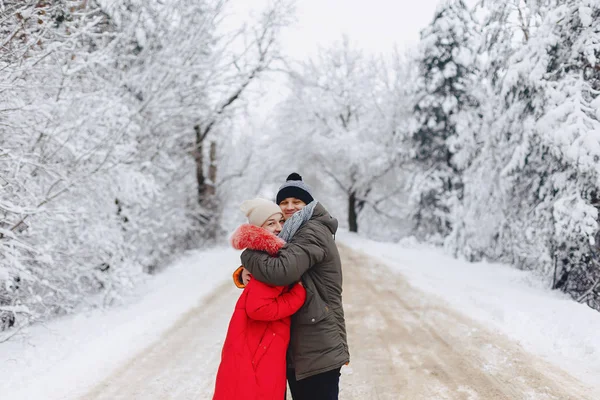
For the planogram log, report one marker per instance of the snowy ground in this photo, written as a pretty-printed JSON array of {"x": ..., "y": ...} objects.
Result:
[
  {"x": 65, "y": 359},
  {"x": 513, "y": 302}
]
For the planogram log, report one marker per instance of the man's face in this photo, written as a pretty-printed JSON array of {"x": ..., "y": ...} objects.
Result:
[{"x": 290, "y": 205}]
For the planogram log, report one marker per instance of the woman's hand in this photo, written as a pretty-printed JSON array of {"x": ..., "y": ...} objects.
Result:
[{"x": 246, "y": 276}]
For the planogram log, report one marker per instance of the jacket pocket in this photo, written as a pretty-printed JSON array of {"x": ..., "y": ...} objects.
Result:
[
  {"x": 263, "y": 347},
  {"x": 314, "y": 309}
]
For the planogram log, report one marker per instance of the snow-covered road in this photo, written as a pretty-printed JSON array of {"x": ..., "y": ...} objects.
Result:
[
  {"x": 178, "y": 365},
  {"x": 404, "y": 344}
]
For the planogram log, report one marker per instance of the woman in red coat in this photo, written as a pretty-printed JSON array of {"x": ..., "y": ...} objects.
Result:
[{"x": 253, "y": 360}]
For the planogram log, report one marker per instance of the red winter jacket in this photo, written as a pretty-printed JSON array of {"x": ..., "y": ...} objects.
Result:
[{"x": 253, "y": 360}]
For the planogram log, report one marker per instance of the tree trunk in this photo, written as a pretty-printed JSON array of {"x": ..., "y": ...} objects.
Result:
[
  {"x": 352, "y": 213},
  {"x": 199, "y": 159},
  {"x": 211, "y": 204},
  {"x": 211, "y": 185},
  {"x": 208, "y": 215}
]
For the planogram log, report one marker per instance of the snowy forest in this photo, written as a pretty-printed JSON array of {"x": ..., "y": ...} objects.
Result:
[{"x": 128, "y": 135}]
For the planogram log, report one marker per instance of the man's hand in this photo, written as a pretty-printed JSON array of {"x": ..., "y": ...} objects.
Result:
[{"x": 246, "y": 276}]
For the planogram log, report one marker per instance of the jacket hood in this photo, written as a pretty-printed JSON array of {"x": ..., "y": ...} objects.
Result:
[
  {"x": 256, "y": 238},
  {"x": 321, "y": 215}
]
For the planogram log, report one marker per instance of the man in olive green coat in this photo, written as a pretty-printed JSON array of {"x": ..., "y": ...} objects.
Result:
[{"x": 318, "y": 346}]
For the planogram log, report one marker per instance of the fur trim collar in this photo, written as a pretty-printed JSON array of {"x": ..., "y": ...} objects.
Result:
[{"x": 256, "y": 238}]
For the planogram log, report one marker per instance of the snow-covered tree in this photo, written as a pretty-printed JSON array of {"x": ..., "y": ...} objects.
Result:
[
  {"x": 98, "y": 151},
  {"x": 445, "y": 116},
  {"x": 569, "y": 127},
  {"x": 532, "y": 196},
  {"x": 343, "y": 112}
]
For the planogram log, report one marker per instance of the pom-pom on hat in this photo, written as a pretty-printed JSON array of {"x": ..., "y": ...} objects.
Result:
[
  {"x": 295, "y": 187},
  {"x": 259, "y": 210}
]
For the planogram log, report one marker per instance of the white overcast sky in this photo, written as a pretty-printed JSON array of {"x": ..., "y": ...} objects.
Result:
[{"x": 375, "y": 26}]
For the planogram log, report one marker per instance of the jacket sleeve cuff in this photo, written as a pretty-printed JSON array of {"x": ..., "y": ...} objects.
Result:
[{"x": 237, "y": 277}]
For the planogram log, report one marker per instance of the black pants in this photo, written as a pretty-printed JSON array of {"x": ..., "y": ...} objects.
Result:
[{"x": 323, "y": 386}]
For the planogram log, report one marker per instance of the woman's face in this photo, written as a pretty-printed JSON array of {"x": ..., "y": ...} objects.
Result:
[
  {"x": 274, "y": 223},
  {"x": 290, "y": 205}
]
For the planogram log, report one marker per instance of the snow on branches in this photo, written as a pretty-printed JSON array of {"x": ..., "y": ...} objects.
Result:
[
  {"x": 445, "y": 116},
  {"x": 535, "y": 181},
  {"x": 99, "y": 100}
]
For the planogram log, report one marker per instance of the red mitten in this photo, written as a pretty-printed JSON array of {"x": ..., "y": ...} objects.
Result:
[{"x": 256, "y": 238}]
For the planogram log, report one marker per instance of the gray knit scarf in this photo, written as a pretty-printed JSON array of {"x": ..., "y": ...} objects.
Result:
[{"x": 299, "y": 218}]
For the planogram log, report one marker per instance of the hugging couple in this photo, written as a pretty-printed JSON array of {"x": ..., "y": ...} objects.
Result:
[{"x": 292, "y": 303}]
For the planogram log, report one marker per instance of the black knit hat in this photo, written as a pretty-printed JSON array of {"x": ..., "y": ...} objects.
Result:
[{"x": 294, "y": 187}]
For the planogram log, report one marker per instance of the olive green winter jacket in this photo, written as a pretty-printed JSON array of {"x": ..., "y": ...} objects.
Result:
[{"x": 318, "y": 334}]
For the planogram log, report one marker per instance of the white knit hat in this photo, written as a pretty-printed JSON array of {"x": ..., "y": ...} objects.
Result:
[{"x": 259, "y": 210}]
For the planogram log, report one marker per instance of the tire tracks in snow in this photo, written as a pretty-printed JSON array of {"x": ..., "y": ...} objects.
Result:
[{"x": 435, "y": 352}]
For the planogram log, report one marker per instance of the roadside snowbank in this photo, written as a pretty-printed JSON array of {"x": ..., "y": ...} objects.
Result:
[{"x": 67, "y": 356}]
